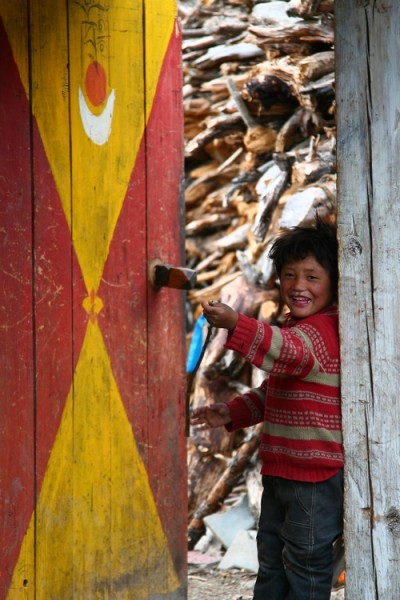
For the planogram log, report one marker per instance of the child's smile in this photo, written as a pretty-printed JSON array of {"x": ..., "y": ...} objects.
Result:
[{"x": 305, "y": 287}]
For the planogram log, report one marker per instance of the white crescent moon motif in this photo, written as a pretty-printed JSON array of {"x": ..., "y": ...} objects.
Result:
[{"x": 97, "y": 127}]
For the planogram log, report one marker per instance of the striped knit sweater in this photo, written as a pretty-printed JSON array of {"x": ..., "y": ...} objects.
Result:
[{"x": 299, "y": 401}]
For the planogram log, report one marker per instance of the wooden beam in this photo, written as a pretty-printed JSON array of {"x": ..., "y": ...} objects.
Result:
[{"x": 368, "y": 119}]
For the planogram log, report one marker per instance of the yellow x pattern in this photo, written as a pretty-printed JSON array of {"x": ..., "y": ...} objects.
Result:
[{"x": 96, "y": 532}]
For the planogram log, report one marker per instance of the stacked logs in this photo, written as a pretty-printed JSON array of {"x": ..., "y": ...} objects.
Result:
[{"x": 260, "y": 136}]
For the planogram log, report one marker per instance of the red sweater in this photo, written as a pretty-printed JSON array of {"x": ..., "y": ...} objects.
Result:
[{"x": 299, "y": 402}]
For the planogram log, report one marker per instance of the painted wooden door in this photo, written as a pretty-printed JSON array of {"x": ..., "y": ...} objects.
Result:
[{"x": 92, "y": 464}]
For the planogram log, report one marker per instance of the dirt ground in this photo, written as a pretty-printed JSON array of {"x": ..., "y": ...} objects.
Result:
[{"x": 209, "y": 583}]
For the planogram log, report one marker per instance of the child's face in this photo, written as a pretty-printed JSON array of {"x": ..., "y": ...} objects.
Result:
[{"x": 305, "y": 287}]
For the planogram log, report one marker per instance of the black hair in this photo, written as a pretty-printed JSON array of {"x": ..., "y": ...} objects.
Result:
[{"x": 297, "y": 243}]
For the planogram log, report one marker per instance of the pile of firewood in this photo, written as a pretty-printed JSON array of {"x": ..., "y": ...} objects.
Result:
[{"x": 260, "y": 136}]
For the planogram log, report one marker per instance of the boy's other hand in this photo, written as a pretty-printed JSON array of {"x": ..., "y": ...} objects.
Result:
[
  {"x": 208, "y": 417},
  {"x": 220, "y": 315}
]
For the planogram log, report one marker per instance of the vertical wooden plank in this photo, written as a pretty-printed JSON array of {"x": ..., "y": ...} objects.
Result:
[
  {"x": 367, "y": 59},
  {"x": 17, "y": 483},
  {"x": 54, "y": 257},
  {"x": 164, "y": 172},
  {"x": 124, "y": 540}
]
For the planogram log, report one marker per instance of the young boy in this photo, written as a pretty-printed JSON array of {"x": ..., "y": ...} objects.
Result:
[{"x": 299, "y": 402}]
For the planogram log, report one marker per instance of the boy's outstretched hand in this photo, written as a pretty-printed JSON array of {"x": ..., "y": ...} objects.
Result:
[
  {"x": 207, "y": 417},
  {"x": 220, "y": 315}
]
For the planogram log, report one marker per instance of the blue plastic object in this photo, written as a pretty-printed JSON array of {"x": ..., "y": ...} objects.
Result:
[{"x": 196, "y": 344}]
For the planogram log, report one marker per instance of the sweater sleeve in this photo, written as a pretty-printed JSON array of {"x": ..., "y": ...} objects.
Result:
[
  {"x": 247, "y": 409},
  {"x": 282, "y": 351}
]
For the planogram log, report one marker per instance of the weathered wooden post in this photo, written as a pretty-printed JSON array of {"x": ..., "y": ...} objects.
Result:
[
  {"x": 92, "y": 369},
  {"x": 368, "y": 116}
]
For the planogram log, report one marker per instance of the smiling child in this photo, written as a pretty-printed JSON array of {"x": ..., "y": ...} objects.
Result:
[{"x": 299, "y": 403}]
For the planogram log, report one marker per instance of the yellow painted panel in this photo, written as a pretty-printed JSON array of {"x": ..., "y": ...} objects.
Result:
[
  {"x": 100, "y": 132},
  {"x": 104, "y": 154},
  {"x": 50, "y": 89},
  {"x": 99, "y": 174},
  {"x": 105, "y": 540},
  {"x": 159, "y": 23}
]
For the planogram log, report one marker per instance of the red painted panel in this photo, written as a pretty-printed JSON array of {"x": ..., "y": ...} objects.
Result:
[
  {"x": 57, "y": 325},
  {"x": 166, "y": 344},
  {"x": 123, "y": 319},
  {"x": 150, "y": 380},
  {"x": 47, "y": 351},
  {"x": 16, "y": 323}
]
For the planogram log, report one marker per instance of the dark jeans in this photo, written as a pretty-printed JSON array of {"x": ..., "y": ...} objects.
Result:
[{"x": 298, "y": 524}]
